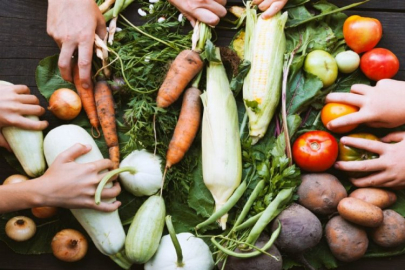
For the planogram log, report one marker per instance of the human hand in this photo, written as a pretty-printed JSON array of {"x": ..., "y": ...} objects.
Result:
[
  {"x": 15, "y": 102},
  {"x": 73, "y": 185},
  {"x": 269, "y": 7},
  {"x": 388, "y": 170},
  {"x": 206, "y": 11},
  {"x": 73, "y": 25},
  {"x": 380, "y": 106}
]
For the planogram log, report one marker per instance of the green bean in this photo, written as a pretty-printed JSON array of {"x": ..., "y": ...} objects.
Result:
[
  {"x": 253, "y": 253},
  {"x": 237, "y": 194},
  {"x": 282, "y": 198},
  {"x": 248, "y": 223},
  {"x": 249, "y": 203}
]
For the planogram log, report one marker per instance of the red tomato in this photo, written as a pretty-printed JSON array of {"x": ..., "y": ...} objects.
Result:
[
  {"x": 335, "y": 110},
  {"x": 379, "y": 64},
  {"x": 315, "y": 151},
  {"x": 362, "y": 33}
]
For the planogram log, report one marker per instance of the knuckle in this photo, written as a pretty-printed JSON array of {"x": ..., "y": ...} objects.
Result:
[
  {"x": 83, "y": 63},
  {"x": 92, "y": 167}
]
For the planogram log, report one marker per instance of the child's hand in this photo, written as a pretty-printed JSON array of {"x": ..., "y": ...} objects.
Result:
[
  {"x": 15, "y": 102},
  {"x": 380, "y": 106},
  {"x": 388, "y": 170},
  {"x": 73, "y": 185},
  {"x": 206, "y": 11},
  {"x": 270, "y": 7}
]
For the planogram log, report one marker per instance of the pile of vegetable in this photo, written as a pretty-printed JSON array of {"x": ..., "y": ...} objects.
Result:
[{"x": 215, "y": 148}]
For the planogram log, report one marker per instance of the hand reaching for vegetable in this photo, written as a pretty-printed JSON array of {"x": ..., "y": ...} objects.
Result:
[
  {"x": 15, "y": 102},
  {"x": 388, "y": 170},
  {"x": 73, "y": 185},
  {"x": 269, "y": 7},
  {"x": 73, "y": 25},
  {"x": 380, "y": 106},
  {"x": 206, "y": 11}
]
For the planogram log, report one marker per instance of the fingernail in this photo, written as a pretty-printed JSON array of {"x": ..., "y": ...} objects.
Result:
[
  {"x": 343, "y": 140},
  {"x": 85, "y": 85},
  {"x": 337, "y": 165}
]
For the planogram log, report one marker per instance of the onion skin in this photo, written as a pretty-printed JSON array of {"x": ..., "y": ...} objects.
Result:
[
  {"x": 44, "y": 211},
  {"x": 69, "y": 245},
  {"x": 20, "y": 228},
  {"x": 15, "y": 178},
  {"x": 65, "y": 104}
]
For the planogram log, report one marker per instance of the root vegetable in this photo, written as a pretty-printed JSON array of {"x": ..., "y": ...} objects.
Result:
[
  {"x": 15, "y": 178},
  {"x": 69, "y": 245},
  {"x": 65, "y": 104},
  {"x": 391, "y": 232},
  {"x": 20, "y": 228},
  {"x": 347, "y": 241},
  {"x": 321, "y": 193},
  {"x": 44, "y": 211},
  {"x": 377, "y": 196},
  {"x": 360, "y": 212}
]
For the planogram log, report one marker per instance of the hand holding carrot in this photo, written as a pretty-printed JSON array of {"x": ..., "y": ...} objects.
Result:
[
  {"x": 269, "y": 7},
  {"x": 206, "y": 11},
  {"x": 380, "y": 106},
  {"x": 73, "y": 25},
  {"x": 388, "y": 170},
  {"x": 15, "y": 102}
]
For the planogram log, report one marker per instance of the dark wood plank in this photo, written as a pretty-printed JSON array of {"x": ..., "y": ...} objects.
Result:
[{"x": 393, "y": 5}]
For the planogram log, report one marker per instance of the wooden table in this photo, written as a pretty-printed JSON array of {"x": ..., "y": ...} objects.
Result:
[{"x": 24, "y": 42}]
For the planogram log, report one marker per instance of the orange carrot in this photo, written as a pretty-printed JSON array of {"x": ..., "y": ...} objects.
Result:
[
  {"x": 87, "y": 98},
  {"x": 183, "y": 69},
  {"x": 186, "y": 128},
  {"x": 106, "y": 115}
]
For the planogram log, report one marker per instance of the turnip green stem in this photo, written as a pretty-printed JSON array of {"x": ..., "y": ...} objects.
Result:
[
  {"x": 196, "y": 80},
  {"x": 226, "y": 207},
  {"x": 248, "y": 223},
  {"x": 282, "y": 198},
  {"x": 257, "y": 252},
  {"x": 107, "y": 177},
  {"x": 121, "y": 259},
  {"x": 249, "y": 203},
  {"x": 118, "y": 7},
  {"x": 109, "y": 14},
  {"x": 175, "y": 241}
]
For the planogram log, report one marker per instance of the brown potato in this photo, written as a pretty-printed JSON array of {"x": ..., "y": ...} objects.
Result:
[
  {"x": 360, "y": 212},
  {"x": 377, "y": 196},
  {"x": 347, "y": 241},
  {"x": 391, "y": 232},
  {"x": 320, "y": 193}
]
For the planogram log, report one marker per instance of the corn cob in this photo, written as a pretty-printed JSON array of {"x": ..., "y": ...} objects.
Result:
[
  {"x": 221, "y": 148},
  {"x": 264, "y": 48}
]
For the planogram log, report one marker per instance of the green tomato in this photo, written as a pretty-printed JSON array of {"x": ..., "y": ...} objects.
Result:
[
  {"x": 347, "y": 61},
  {"x": 322, "y": 65}
]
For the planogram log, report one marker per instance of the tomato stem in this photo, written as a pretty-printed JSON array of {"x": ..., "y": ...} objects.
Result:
[{"x": 314, "y": 146}]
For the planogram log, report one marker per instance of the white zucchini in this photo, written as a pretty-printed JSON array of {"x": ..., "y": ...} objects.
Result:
[
  {"x": 27, "y": 146},
  {"x": 104, "y": 228}
]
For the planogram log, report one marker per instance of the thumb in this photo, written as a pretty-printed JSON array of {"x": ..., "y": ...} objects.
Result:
[
  {"x": 4, "y": 143},
  {"x": 73, "y": 152},
  {"x": 393, "y": 137}
]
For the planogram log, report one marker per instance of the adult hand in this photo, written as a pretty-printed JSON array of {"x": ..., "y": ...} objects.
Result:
[
  {"x": 73, "y": 25},
  {"x": 388, "y": 170},
  {"x": 269, "y": 7},
  {"x": 206, "y": 11},
  {"x": 15, "y": 102},
  {"x": 380, "y": 106},
  {"x": 73, "y": 185}
]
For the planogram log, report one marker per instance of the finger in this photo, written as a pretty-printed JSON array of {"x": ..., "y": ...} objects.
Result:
[
  {"x": 84, "y": 62},
  {"x": 112, "y": 192},
  {"x": 190, "y": 18},
  {"x": 4, "y": 143},
  {"x": 21, "y": 89},
  {"x": 101, "y": 29},
  {"x": 65, "y": 61},
  {"x": 108, "y": 207},
  {"x": 257, "y": 2},
  {"x": 206, "y": 16},
  {"x": 221, "y": 2},
  {"x": 369, "y": 145},
  {"x": 30, "y": 109},
  {"x": 270, "y": 8},
  {"x": 100, "y": 165},
  {"x": 346, "y": 120},
  {"x": 394, "y": 137},
  {"x": 73, "y": 152},
  {"x": 378, "y": 179},
  {"x": 29, "y": 124},
  {"x": 346, "y": 98},
  {"x": 360, "y": 89},
  {"x": 28, "y": 99},
  {"x": 370, "y": 165}
]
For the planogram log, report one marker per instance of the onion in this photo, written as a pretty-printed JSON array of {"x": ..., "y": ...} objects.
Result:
[
  {"x": 69, "y": 245},
  {"x": 44, "y": 211},
  {"x": 20, "y": 228},
  {"x": 65, "y": 104},
  {"x": 15, "y": 178}
]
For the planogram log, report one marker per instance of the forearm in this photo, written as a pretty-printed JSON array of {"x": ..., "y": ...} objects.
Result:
[{"x": 19, "y": 196}]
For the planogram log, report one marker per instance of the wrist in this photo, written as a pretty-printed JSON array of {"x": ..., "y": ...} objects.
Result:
[{"x": 38, "y": 191}]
